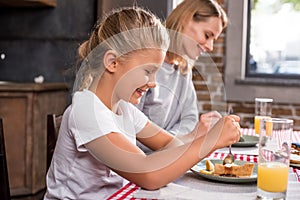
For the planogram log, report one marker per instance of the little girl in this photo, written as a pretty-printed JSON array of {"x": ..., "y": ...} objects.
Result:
[{"x": 96, "y": 150}]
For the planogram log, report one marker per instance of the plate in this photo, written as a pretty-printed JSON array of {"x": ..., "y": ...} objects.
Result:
[
  {"x": 296, "y": 158},
  {"x": 295, "y": 165},
  {"x": 250, "y": 141},
  {"x": 201, "y": 165}
]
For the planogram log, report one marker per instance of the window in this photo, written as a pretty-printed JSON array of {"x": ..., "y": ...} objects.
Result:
[
  {"x": 239, "y": 86},
  {"x": 273, "y": 41},
  {"x": 176, "y": 2}
]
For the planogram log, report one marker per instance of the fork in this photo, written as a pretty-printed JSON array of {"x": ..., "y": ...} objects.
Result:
[{"x": 230, "y": 157}]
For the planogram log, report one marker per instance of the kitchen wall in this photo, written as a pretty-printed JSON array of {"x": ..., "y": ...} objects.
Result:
[
  {"x": 43, "y": 40},
  {"x": 160, "y": 7}
]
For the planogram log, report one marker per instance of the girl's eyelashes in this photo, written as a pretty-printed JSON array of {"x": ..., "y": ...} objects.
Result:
[{"x": 150, "y": 71}]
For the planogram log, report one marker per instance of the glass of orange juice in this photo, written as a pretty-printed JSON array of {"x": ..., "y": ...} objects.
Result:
[
  {"x": 274, "y": 153},
  {"x": 263, "y": 109}
]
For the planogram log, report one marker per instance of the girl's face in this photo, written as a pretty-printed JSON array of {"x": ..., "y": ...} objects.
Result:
[
  {"x": 137, "y": 74},
  {"x": 200, "y": 36}
]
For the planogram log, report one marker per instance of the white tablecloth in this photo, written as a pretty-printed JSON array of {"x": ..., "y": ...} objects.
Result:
[{"x": 192, "y": 186}]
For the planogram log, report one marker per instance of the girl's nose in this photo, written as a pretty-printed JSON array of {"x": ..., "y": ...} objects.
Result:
[{"x": 151, "y": 84}]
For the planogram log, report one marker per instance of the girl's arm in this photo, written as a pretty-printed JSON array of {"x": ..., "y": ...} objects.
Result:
[
  {"x": 161, "y": 167},
  {"x": 158, "y": 139}
]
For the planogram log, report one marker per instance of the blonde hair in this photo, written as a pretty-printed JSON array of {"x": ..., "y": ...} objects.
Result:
[
  {"x": 125, "y": 31},
  {"x": 196, "y": 10}
]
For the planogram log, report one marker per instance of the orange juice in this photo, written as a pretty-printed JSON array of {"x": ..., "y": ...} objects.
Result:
[
  {"x": 272, "y": 177},
  {"x": 269, "y": 127},
  {"x": 257, "y": 123}
]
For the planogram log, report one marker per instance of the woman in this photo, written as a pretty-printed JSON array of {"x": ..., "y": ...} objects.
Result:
[
  {"x": 194, "y": 25},
  {"x": 96, "y": 150}
]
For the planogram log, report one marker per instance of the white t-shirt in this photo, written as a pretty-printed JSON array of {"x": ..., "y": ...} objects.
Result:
[{"x": 74, "y": 173}]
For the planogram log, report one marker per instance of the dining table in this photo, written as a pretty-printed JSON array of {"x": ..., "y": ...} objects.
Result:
[{"x": 192, "y": 185}]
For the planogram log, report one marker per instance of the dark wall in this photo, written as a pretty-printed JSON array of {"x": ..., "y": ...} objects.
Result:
[
  {"x": 43, "y": 41},
  {"x": 160, "y": 7}
]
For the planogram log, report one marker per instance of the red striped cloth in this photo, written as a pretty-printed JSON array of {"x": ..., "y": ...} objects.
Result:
[
  {"x": 295, "y": 135},
  {"x": 297, "y": 172},
  {"x": 125, "y": 192},
  {"x": 221, "y": 156}
]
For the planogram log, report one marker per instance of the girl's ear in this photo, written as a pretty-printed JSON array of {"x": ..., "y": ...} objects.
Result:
[{"x": 110, "y": 60}]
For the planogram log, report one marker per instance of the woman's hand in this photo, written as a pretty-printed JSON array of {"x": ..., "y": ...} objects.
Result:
[{"x": 206, "y": 122}]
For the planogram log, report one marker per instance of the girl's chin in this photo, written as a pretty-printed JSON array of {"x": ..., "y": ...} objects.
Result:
[
  {"x": 134, "y": 101},
  {"x": 135, "y": 98}
]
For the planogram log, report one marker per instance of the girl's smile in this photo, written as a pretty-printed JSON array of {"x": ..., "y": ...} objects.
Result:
[{"x": 140, "y": 92}]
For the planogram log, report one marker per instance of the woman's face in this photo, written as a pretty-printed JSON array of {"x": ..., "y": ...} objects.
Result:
[
  {"x": 199, "y": 37},
  {"x": 137, "y": 74}
]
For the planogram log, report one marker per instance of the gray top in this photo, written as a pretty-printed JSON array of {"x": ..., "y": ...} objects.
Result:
[{"x": 172, "y": 104}]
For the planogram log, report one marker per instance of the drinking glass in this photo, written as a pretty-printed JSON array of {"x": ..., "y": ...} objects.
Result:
[
  {"x": 274, "y": 153},
  {"x": 263, "y": 109}
]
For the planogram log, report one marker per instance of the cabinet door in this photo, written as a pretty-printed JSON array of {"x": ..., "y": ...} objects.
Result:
[
  {"x": 28, "y": 3},
  {"x": 16, "y": 114},
  {"x": 24, "y": 109}
]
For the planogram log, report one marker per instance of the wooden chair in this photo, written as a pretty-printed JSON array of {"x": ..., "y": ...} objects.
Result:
[
  {"x": 53, "y": 124},
  {"x": 4, "y": 182}
]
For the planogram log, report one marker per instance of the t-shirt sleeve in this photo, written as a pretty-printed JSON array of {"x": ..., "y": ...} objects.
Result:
[
  {"x": 140, "y": 119},
  {"x": 86, "y": 120}
]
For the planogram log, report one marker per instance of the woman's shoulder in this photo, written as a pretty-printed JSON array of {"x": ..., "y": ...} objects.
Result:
[
  {"x": 168, "y": 71},
  {"x": 171, "y": 72}
]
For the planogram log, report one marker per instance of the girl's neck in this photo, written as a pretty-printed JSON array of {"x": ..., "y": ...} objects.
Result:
[{"x": 105, "y": 94}]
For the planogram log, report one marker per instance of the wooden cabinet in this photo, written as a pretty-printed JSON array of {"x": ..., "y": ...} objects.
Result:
[
  {"x": 28, "y": 3},
  {"x": 23, "y": 108}
]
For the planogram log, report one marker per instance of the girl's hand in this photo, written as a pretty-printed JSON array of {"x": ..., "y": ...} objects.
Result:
[{"x": 229, "y": 131}]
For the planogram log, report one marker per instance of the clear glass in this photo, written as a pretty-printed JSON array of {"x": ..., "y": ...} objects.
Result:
[
  {"x": 274, "y": 158},
  {"x": 263, "y": 109}
]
